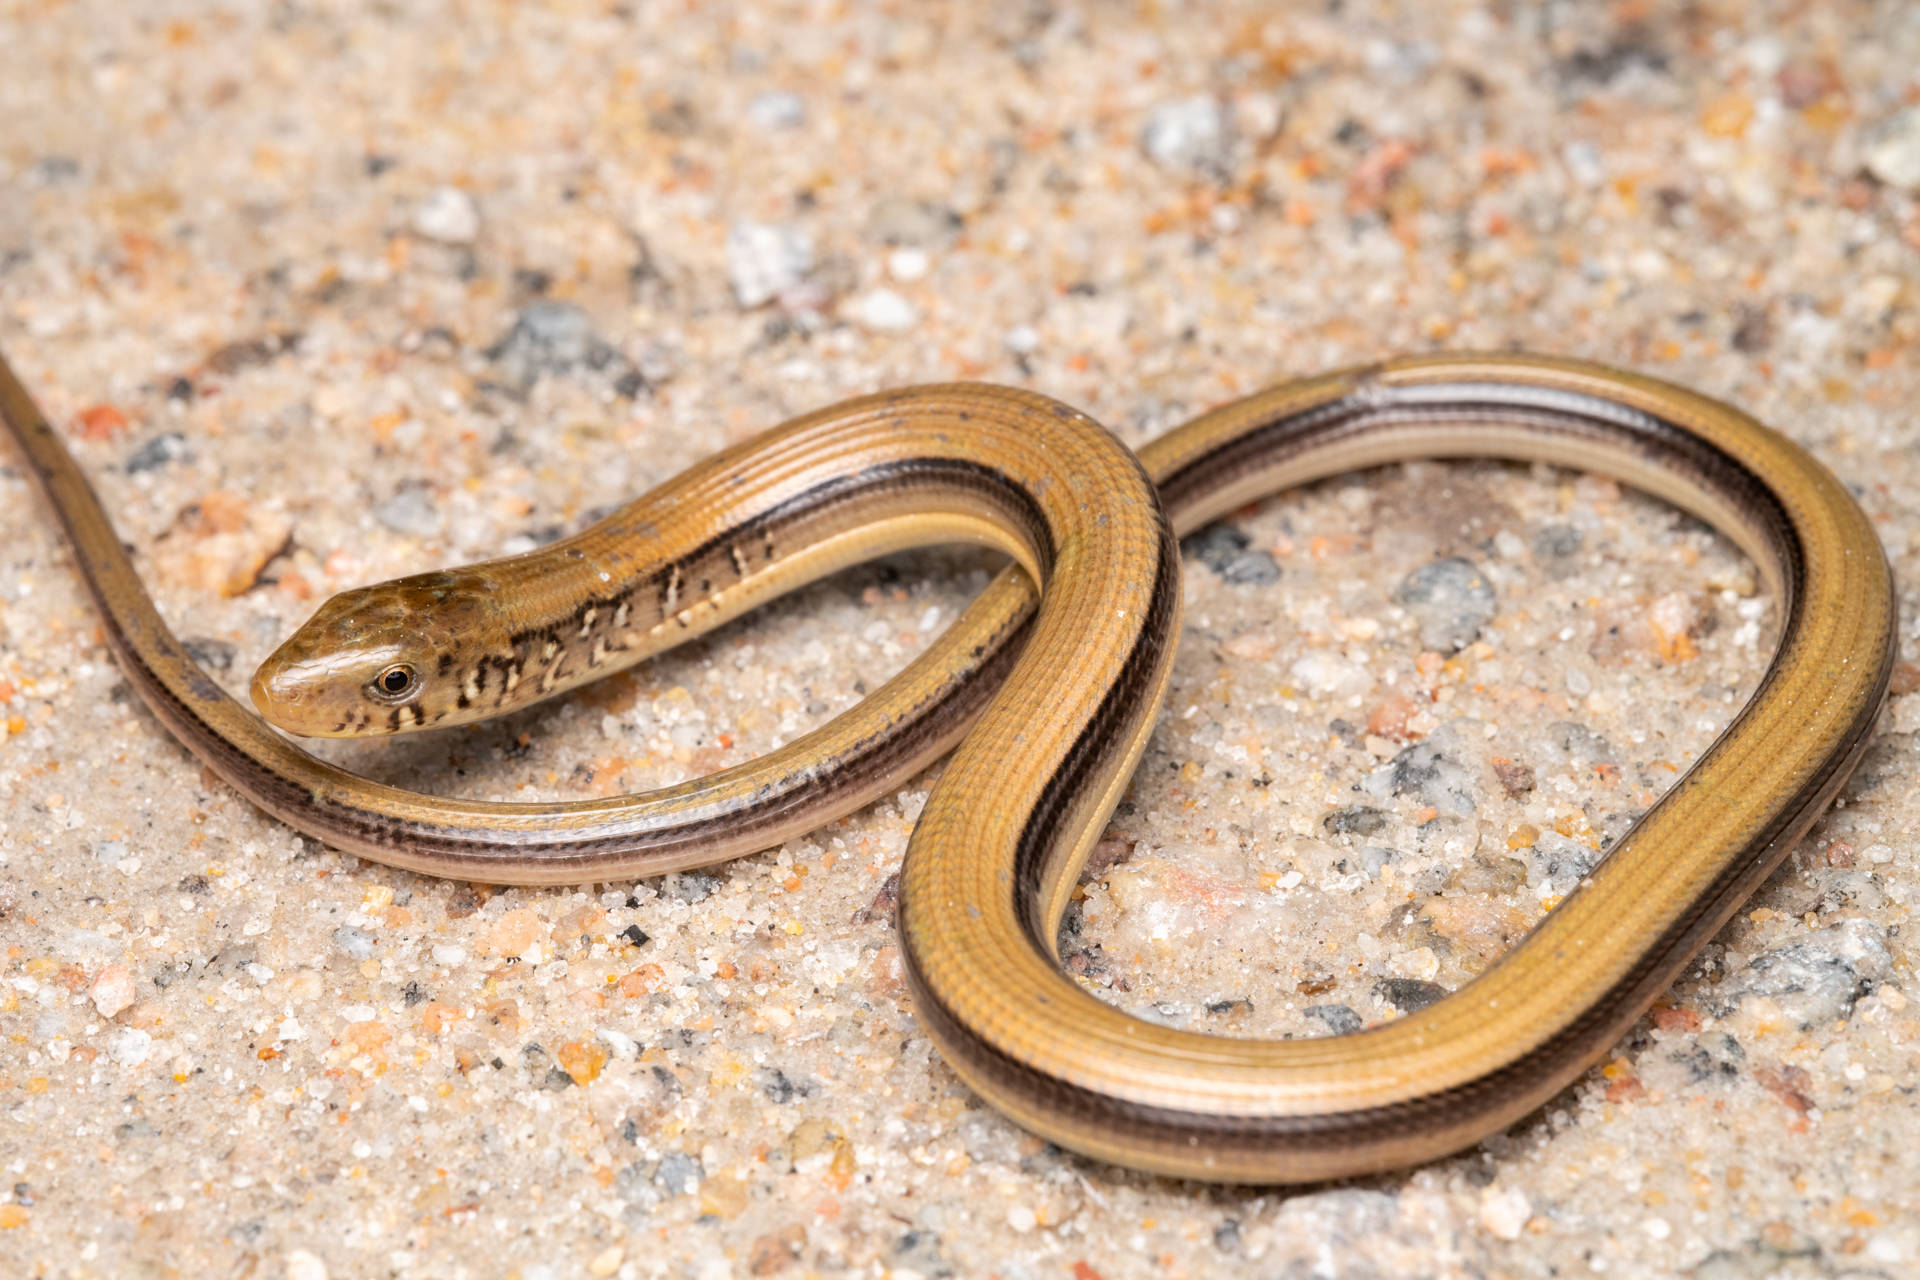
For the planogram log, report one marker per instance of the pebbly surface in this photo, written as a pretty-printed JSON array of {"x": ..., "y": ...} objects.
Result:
[{"x": 324, "y": 294}]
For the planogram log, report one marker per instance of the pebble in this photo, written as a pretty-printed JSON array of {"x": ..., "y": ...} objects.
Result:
[
  {"x": 168, "y": 447},
  {"x": 896, "y": 220},
  {"x": 1451, "y": 600},
  {"x": 1815, "y": 981},
  {"x": 449, "y": 215},
  {"x": 1561, "y": 861},
  {"x": 357, "y": 943},
  {"x": 112, "y": 990},
  {"x": 1230, "y": 553},
  {"x": 130, "y": 1046},
  {"x": 1425, "y": 771},
  {"x": 551, "y": 336},
  {"x": 679, "y": 1174},
  {"x": 1892, "y": 153},
  {"x": 1504, "y": 1212},
  {"x": 410, "y": 511},
  {"x": 1338, "y": 1019},
  {"x": 1190, "y": 134},
  {"x": 109, "y": 852},
  {"x": 219, "y": 544},
  {"x": 302, "y": 1265},
  {"x": 777, "y": 109},
  {"x": 884, "y": 311},
  {"x": 765, "y": 260},
  {"x": 1409, "y": 995}
]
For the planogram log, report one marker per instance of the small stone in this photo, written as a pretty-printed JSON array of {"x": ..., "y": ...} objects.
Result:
[
  {"x": 130, "y": 1046},
  {"x": 1021, "y": 340},
  {"x": 302, "y": 1265},
  {"x": 606, "y": 1262},
  {"x": 1451, "y": 600},
  {"x": 409, "y": 511},
  {"x": 777, "y": 109},
  {"x": 897, "y": 220},
  {"x": 1359, "y": 819},
  {"x": 690, "y": 886},
  {"x": 552, "y": 337},
  {"x": 1338, "y": 1019},
  {"x": 679, "y": 1174},
  {"x": 884, "y": 311},
  {"x": 1892, "y": 152},
  {"x": 1426, "y": 772},
  {"x": 112, "y": 990},
  {"x": 1561, "y": 861},
  {"x": 764, "y": 260},
  {"x": 517, "y": 933},
  {"x": 908, "y": 265},
  {"x": 1191, "y": 134},
  {"x": 1228, "y": 552},
  {"x": 109, "y": 852},
  {"x": 166, "y": 448},
  {"x": 1409, "y": 994},
  {"x": 1021, "y": 1218},
  {"x": 448, "y": 215},
  {"x": 1504, "y": 1212},
  {"x": 357, "y": 943},
  {"x": 1816, "y": 981},
  {"x": 220, "y": 544}
]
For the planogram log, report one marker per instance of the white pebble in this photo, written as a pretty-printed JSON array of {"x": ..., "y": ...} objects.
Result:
[
  {"x": 1505, "y": 1212},
  {"x": 777, "y": 109},
  {"x": 130, "y": 1047},
  {"x": 1022, "y": 340},
  {"x": 448, "y": 215},
  {"x": 884, "y": 311},
  {"x": 1021, "y": 1218},
  {"x": 302, "y": 1265},
  {"x": 907, "y": 264},
  {"x": 1658, "y": 1228},
  {"x": 112, "y": 991},
  {"x": 448, "y": 954},
  {"x": 358, "y": 1013},
  {"x": 765, "y": 260}
]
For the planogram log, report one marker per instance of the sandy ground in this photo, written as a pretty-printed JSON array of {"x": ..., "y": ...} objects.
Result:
[{"x": 327, "y": 293}]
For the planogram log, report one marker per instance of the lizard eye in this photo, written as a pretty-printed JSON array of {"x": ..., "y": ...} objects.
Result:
[{"x": 395, "y": 682}]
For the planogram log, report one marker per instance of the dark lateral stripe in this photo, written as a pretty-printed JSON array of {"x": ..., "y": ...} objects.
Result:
[
  {"x": 764, "y": 527},
  {"x": 1106, "y": 731},
  {"x": 1561, "y": 412}
]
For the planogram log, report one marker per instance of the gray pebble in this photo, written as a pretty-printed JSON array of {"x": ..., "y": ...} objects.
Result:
[
  {"x": 1359, "y": 820},
  {"x": 109, "y": 852},
  {"x": 679, "y": 1174},
  {"x": 1226, "y": 551},
  {"x": 1409, "y": 994},
  {"x": 690, "y": 886},
  {"x": 1338, "y": 1019},
  {"x": 550, "y": 336},
  {"x": 168, "y": 447},
  {"x": 409, "y": 511},
  {"x": 1561, "y": 860},
  {"x": 1569, "y": 742},
  {"x": 1451, "y": 600},
  {"x": 357, "y": 943},
  {"x": 777, "y": 109},
  {"x": 1191, "y": 134},
  {"x": 764, "y": 260},
  {"x": 1815, "y": 981},
  {"x": 1425, "y": 771},
  {"x": 920, "y": 224},
  {"x": 1557, "y": 542}
]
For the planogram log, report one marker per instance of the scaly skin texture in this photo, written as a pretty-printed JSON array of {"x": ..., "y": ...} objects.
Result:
[{"x": 1001, "y": 840}]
